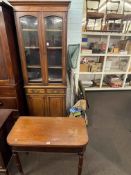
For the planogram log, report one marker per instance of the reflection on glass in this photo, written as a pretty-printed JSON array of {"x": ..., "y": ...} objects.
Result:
[
  {"x": 29, "y": 22},
  {"x": 30, "y": 39},
  {"x": 54, "y": 57},
  {"x": 29, "y": 26},
  {"x": 55, "y": 75},
  {"x": 32, "y": 56},
  {"x": 34, "y": 74},
  {"x": 53, "y": 27},
  {"x": 3, "y": 73},
  {"x": 53, "y": 39},
  {"x": 53, "y": 22}
]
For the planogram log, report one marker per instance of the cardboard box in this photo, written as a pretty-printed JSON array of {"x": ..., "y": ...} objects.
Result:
[
  {"x": 84, "y": 67},
  {"x": 96, "y": 67}
]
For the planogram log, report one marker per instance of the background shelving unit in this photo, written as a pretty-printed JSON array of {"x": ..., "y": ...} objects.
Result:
[{"x": 121, "y": 57}]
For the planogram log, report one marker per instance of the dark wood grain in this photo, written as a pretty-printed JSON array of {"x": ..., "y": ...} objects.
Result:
[
  {"x": 4, "y": 114},
  {"x": 6, "y": 121},
  {"x": 11, "y": 91}
]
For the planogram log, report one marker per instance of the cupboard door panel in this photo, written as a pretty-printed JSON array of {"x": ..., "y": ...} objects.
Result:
[
  {"x": 37, "y": 105},
  {"x": 5, "y": 64},
  {"x": 8, "y": 103},
  {"x": 56, "y": 105},
  {"x": 3, "y": 70}
]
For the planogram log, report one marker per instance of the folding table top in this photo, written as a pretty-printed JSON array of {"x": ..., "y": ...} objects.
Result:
[{"x": 48, "y": 132}]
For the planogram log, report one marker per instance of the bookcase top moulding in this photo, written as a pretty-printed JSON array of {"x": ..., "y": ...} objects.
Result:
[
  {"x": 39, "y": 1},
  {"x": 40, "y": 5}
]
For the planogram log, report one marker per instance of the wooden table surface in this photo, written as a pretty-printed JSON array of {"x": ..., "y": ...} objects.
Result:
[{"x": 48, "y": 131}]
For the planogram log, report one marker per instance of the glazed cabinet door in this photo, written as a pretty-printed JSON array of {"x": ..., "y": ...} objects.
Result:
[
  {"x": 37, "y": 105},
  {"x": 30, "y": 43},
  {"x": 55, "y": 47},
  {"x": 56, "y": 105}
]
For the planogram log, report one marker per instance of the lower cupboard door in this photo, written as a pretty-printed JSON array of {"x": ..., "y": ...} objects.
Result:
[
  {"x": 37, "y": 105},
  {"x": 56, "y": 105}
]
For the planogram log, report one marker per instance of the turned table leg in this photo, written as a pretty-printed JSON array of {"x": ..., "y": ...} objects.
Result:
[
  {"x": 18, "y": 163},
  {"x": 6, "y": 173},
  {"x": 80, "y": 163}
]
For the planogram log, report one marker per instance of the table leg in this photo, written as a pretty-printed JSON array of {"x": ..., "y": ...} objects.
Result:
[
  {"x": 6, "y": 173},
  {"x": 18, "y": 163},
  {"x": 80, "y": 163}
]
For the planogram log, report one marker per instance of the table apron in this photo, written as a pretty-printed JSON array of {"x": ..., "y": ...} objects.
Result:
[{"x": 49, "y": 149}]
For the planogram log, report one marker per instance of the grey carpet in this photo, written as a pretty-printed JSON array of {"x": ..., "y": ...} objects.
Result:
[{"x": 109, "y": 149}]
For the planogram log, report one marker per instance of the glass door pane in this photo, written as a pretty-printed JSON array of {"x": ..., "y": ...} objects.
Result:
[
  {"x": 53, "y": 27},
  {"x": 29, "y": 26}
]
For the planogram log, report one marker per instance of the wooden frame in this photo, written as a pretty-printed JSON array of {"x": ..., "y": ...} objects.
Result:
[
  {"x": 41, "y": 9},
  {"x": 11, "y": 92},
  {"x": 21, "y": 45},
  {"x": 60, "y": 15},
  {"x": 5, "y": 51}
]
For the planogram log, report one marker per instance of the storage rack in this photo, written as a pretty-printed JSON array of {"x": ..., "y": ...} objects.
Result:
[{"x": 106, "y": 55}]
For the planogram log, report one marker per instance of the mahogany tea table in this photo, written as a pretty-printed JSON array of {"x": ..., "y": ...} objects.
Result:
[{"x": 48, "y": 134}]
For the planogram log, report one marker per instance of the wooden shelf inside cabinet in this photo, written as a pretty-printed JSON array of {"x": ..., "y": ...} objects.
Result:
[
  {"x": 30, "y": 30},
  {"x": 55, "y": 67},
  {"x": 53, "y": 30},
  {"x": 31, "y": 47},
  {"x": 34, "y": 66},
  {"x": 54, "y": 48},
  {"x": 55, "y": 79},
  {"x": 36, "y": 80}
]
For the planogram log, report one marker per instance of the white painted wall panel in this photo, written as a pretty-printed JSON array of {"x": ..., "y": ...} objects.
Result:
[
  {"x": 75, "y": 21},
  {"x": 74, "y": 37}
]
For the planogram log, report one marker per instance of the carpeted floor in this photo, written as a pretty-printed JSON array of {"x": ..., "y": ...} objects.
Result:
[{"x": 109, "y": 149}]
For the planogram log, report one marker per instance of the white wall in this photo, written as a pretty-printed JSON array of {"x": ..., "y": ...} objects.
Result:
[
  {"x": 75, "y": 21},
  {"x": 75, "y": 16}
]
